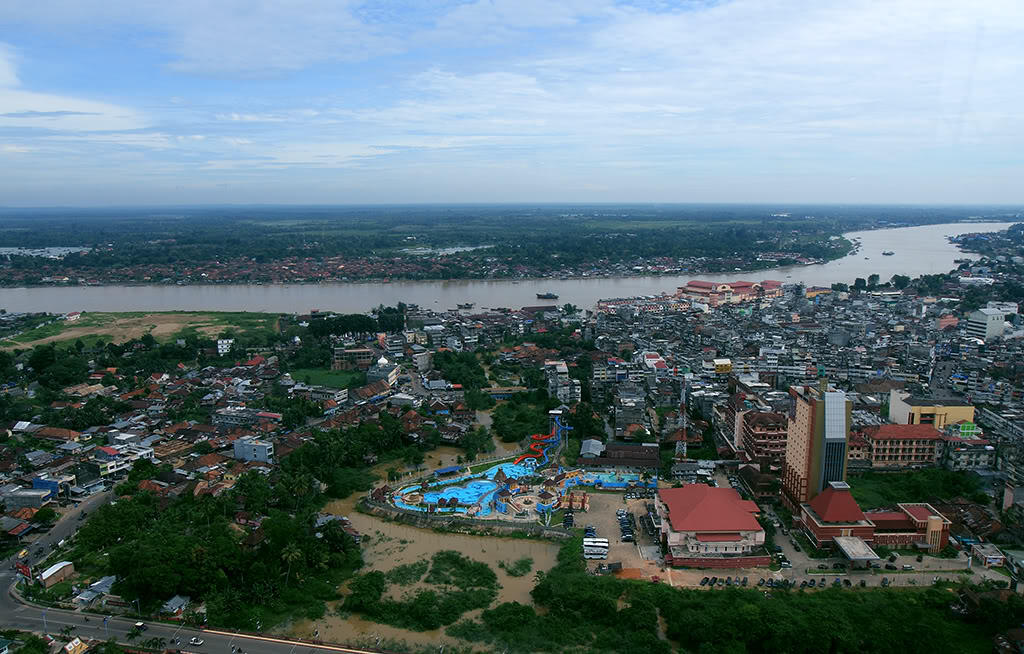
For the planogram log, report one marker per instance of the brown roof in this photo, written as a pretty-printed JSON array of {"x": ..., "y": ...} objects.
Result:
[{"x": 836, "y": 505}]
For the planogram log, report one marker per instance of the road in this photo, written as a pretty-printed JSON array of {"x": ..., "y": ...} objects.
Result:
[
  {"x": 65, "y": 528},
  {"x": 14, "y": 613}
]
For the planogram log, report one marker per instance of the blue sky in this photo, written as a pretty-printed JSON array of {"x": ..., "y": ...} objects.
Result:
[{"x": 335, "y": 101}]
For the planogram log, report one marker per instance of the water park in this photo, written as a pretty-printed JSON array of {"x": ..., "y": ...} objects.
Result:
[{"x": 529, "y": 484}]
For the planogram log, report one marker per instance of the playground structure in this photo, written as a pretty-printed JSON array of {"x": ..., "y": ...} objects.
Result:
[
  {"x": 529, "y": 484},
  {"x": 538, "y": 450}
]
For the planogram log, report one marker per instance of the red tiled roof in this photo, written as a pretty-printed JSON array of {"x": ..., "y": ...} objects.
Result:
[
  {"x": 898, "y": 432},
  {"x": 919, "y": 511},
  {"x": 697, "y": 507},
  {"x": 833, "y": 505},
  {"x": 890, "y": 520},
  {"x": 718, "y": 538}
]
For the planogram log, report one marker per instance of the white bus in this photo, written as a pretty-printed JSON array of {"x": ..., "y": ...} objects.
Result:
[
  {"x": 602, "y": 554},
  {"x": 595, "y": 542}
]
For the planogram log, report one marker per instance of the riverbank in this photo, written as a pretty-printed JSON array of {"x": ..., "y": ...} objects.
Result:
[{"x": 918, "y": 251}]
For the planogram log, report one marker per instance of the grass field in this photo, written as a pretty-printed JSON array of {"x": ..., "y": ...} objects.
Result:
[
  {"x": 122, "y": 326},
  {"x": 330, "y": 378},
  {"x": 874, "y": 490}
]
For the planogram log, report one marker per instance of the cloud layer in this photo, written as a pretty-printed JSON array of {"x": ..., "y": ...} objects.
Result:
[{"x": 510, "y": 100}]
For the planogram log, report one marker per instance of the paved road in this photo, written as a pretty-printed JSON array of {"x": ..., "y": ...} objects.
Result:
[
  {"x": 13, "y": 613},
  {"x": 65, "y": 528}
]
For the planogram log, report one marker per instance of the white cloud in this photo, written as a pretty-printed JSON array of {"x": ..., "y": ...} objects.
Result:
[
  {"x": 15, "y": 149},
  {"x": 8, "y": 73},
  {"x": 584, "y": 94},
  {"x": 24, "y": 108}
]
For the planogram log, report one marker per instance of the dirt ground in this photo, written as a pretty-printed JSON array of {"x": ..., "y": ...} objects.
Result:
[
  {"x": 389, "y": 545},
  {"x": 119, "y": 330}
]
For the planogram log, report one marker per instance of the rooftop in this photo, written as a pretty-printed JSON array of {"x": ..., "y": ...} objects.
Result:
[{"x": 701, "y": 508}]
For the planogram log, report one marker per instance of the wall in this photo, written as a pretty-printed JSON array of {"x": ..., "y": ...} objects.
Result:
[{"x": 719, "y": 564}]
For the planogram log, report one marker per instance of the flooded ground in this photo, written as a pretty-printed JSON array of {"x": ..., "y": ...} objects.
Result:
[{"x": 389, "y": 545}]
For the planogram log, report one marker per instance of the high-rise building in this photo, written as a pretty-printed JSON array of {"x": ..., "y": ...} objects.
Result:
[
  {"x": 817, "y": 437},
  {"x": 986, "y": 324}
]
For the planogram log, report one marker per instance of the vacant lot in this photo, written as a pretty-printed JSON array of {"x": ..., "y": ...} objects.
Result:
[
  {"x": 124, "y": 326},
  {"x": 330, "y": 378}
]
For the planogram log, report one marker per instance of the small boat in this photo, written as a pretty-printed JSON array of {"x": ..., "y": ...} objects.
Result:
[
  {"x": 888, "y": 253},
  {"x": 547, "y": 296},
  {"x": 467, "y": 305}
]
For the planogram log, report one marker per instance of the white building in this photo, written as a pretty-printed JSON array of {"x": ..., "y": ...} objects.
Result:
[
  {"x": 224, "y": 346},
  {"x": 248, "y": 448},
  {"x": 986, "y": 324}
]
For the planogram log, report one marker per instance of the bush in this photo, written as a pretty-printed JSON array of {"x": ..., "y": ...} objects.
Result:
[
  {"x": 519, "y": 568},
  {"x": 404, "y": 575}
]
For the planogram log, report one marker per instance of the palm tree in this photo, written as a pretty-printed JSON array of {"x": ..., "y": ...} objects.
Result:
[{"x": 290, "y": 554}]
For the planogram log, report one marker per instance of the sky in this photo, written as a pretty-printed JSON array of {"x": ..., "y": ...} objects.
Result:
[{"x": 127, "y": 102}]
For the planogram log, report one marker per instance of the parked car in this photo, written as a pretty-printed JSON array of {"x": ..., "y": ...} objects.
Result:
[
  {"x": 885, "y": 582},
  {"x": 745, "y": 581},
  {"x": 704, "y": 581},
  {"x": 196, "y": 641},
  {"x": 889, "y": 566},
  {"x": 760, "y": 582}
]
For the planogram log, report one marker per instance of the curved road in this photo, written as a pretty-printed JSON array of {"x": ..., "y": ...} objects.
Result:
[{"x": 14, "y": 612}]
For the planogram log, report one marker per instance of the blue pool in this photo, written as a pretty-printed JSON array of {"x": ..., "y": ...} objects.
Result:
[
  {"x": 467, "y": 493},
  {"x": 612, "y": 480},
  {"x": 468, "y": 489}
]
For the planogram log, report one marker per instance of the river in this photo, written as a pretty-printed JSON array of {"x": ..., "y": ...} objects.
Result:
[{"x": 918, "y": 251}]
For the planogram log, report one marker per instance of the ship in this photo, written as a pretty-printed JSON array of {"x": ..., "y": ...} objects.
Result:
[
  {"x": 888, "y": 253},
  {"x": 547, "y": 296},
  {"x": 467, "y": 305}
]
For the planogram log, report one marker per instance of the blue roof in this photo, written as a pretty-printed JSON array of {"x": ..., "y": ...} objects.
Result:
[{"x": 448, "y": 470}]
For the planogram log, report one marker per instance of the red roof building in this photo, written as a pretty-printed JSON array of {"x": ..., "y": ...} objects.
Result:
[
  {"x": 703, "y": 526},
  {"x": 834, "y": 512},
  {"x": 903, "y": 446}
]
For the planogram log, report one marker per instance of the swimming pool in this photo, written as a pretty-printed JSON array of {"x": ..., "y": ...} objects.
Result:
[
  {"x": 468, "y": 490},
  {"x": 613, "y": 480},
  {"x": 467, "y": 494}
]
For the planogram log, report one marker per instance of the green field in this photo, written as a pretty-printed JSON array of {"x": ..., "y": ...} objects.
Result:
[
  {"x": 329, "y": 378},
  {"x": 121, "y": 326},
  {"x": 874, "y": 490}
]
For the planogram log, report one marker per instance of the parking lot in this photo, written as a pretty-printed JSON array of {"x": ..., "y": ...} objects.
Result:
[{"x": 642, "y": 553}]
